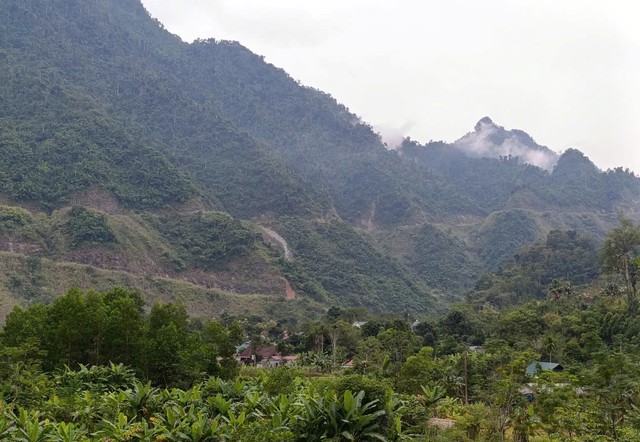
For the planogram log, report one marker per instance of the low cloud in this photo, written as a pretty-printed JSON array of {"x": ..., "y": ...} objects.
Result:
[
  {"x": 393, "y": 136},
  {"x": 492, "y": 141}
]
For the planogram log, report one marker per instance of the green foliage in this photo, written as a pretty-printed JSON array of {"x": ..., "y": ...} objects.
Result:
[
  {"x": 207, "y": 239},
  {"x": 111, "y": 327},
  {"x": 416, "y": 372},
  {"x": 373, "y": 390},
  {"x": 350, "y": 268},
  {"x": 87, "y": 227},
  {"x": 14, "y": 218},
  {"x": 48, "y": 392},
  {"x": 98, "y": 91},
  {"x": 564, "y": 259},
  {"x": 574, "y": 184},
  {"x": 504, "y": 232},
  {"x": 619, "y": 256},
  {"x": 99, "y": 97},
  {"x": 318, "y": 138},
  {"x": 83, "y": 147},
  {"x": 21, "y": 226},
  {"x": 442, "y": 259},
  {"x": 281, "y": 380}
]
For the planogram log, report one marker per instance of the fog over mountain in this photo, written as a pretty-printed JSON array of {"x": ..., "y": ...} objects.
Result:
[{"x": 488, "y": 140}]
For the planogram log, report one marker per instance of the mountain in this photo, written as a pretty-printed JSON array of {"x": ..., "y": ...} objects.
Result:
[
  {"x": 523, "y": 202},
  {"x": 200, "y": 172},
  {"x": 489, "y": 140},
  {"x": 493, "y": 167},
  {"x": 99, "y": 114}
]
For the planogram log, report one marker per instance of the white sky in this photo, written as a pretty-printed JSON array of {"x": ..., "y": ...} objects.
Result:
[{"x": 567, "y": 72}]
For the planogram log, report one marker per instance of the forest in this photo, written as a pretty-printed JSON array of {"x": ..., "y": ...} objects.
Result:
[
  {"x": 128, "y": 150},
  {"x": 425, "y": 295},
  {"x": 106, "y": 366}
]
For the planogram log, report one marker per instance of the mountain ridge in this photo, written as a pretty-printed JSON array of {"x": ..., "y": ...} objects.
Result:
[
  {"x": 492, "y": 141},
  {"x": 115, "y": 128}
]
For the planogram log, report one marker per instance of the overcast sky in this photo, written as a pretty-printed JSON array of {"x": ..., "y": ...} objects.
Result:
[{"x": 567, "y": 72}]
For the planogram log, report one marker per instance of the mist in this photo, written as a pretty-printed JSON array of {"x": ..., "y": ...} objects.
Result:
[
  {"x": 391, "y": 136},
  {"x": 492, "y": 141}
]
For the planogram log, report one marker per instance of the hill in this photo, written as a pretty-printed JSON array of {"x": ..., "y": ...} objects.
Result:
[{"x": 144, "y": 158}]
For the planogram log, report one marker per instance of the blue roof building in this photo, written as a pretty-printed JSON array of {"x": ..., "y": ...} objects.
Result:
[{"x": 533, "y": 368}]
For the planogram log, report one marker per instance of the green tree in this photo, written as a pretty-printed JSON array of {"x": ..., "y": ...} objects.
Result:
[
  {"x": 614, "y": 384},
  {"x": 419, "y": 370},
  {"x": 72, "y": 326},
  {"x": 399, "y": 344},
  {"x": 168, "y": 344},
  {"x": 125, "y": 326},
  {"x": 619, "y": 257},
  {"x": 220, "y": 342},
  {"x": 370, "y": 356}
]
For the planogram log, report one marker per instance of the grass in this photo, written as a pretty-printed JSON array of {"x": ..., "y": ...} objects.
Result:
[
  {"x": 22, "y": 282},
  {"x": 38, "y": 264}
]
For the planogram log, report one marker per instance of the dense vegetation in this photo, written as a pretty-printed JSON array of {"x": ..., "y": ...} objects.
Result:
[
  {"x": 496, "y": 184},
  {"x": 98, "y": 328},
  {"x": 97, "y": 98},
  {"x": 206, "y": 239},
  {"x": 97, "y": 366},
  {"x": 566, "y": 259},
  {"x": 503, "y": 232},
  {"x": 442, "y": 259},
  {"x": 128, "y": 157},
  {"x": 318, "y": 138},
  {"x": 107, "y": 107},
  {"x": 85, "y": 226},
  {"x": 346, "y": 267}
]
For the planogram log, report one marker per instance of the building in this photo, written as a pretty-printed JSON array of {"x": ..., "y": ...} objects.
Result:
[
  {"x": 264, "y": 356},
  {"x": 536, "y": 366}
]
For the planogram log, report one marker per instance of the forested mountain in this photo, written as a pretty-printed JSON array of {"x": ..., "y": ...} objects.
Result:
[{"x": 130, "y": 157}]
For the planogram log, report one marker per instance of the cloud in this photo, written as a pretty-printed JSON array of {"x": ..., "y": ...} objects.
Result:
[
  {"x": 563, "y": 70},
  {"x": 492, "y": 141},
  {"x": 393, "y": 136}
]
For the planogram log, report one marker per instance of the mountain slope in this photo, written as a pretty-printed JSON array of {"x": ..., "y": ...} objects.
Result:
[
  {"x": 319, "y": 138},
  {"x": 109, "y": 81},
  {"x": 573, "y": 183},
  {"x": 124, "y": 63},
  {"x": 136, "y": 153}
]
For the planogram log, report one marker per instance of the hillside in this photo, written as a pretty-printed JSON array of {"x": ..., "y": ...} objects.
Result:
[
  {"x": 149, "y": 162},
  {"x": 211, "y": 261}
]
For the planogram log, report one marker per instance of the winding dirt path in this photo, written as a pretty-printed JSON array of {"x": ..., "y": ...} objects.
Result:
[
  {"x": 290, "y": 294},
  {"x": 275, "y": 236}
]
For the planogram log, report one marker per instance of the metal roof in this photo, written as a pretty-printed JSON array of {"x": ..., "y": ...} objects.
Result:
[{"x": 544, "y": 366}]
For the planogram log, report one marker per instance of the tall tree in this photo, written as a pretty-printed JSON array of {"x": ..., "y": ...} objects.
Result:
[{"x": 619, "y": 256}]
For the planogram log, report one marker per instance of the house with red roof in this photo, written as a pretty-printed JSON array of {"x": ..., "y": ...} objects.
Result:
[{"x": 264, "y": 356}]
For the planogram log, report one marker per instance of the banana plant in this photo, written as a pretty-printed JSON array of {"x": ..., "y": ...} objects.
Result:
[
  {"x": 311, "y": 419},
  {"x": 232, "y": 389},
  {"x": 359, "y": 421},
  {"x": 7, "y": 424},
  {"x": 142, "y": 399},
  {"x": 219, "y": 405},
  {"x": 68, "y": 432},
  {"x": 197, "y": 429},
  {"x": 432, "y": 395},
  {"x": 30, "y": 429},
  {"x": 122, "y": 429},
  {"x": 235, "y": 422}
]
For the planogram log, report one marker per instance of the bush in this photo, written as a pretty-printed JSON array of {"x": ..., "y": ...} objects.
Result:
[
  {"x": 86, "y": 226},
  {"x": 281, "y": 380},
  {"x": 374, "y": 389}
]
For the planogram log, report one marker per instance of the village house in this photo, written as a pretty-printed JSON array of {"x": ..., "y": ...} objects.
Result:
[
  {"x": 264, "y": 357},
  {"x": 536, "y": 366}
]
